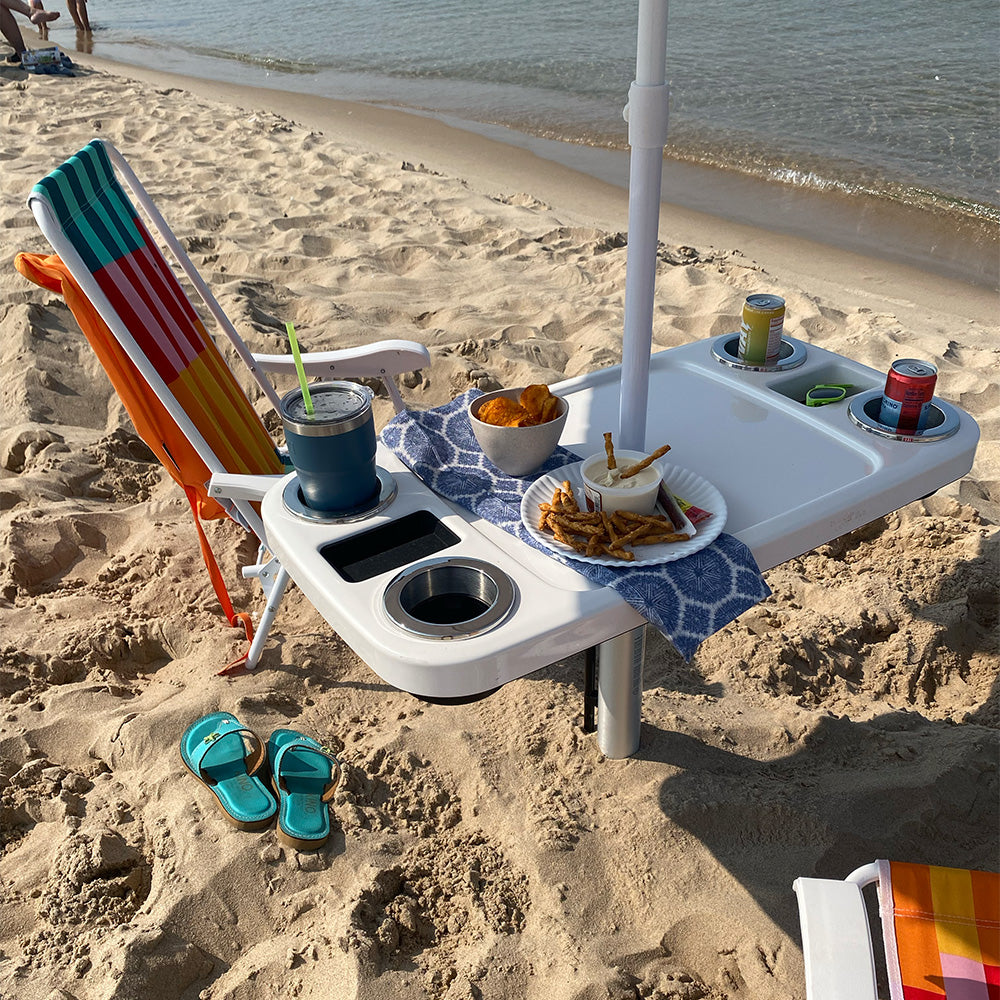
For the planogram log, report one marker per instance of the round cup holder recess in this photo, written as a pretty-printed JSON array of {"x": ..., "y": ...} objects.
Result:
[
  {"x": 864, "y": 408},
  {"x": 291, "y": 497},
  {"x": 449, "y": 598},
  {"x": 726, "y": 350}
]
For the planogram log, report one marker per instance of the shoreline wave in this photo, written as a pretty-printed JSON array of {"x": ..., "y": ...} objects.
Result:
[{"x": 595, "y": 125}]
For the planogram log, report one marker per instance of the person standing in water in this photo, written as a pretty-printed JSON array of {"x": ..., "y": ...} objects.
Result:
[{"x": 77, "y": 11}]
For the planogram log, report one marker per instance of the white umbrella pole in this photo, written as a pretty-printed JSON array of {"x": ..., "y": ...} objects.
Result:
[
  {"x": 647, "y": 135},
  {"x": 620, "y": 660}
]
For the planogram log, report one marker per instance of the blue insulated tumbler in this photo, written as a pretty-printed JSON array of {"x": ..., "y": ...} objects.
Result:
[{"x": 333, "y": 450}]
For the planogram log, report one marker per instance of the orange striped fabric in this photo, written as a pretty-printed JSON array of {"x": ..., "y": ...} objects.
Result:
[
  {"x": 942, "y": 931},
  {"x": 205, "y": 388}
]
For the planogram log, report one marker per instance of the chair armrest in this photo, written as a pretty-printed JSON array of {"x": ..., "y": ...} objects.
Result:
[
  {"x": 836, "y": 940},
  {"x": 384, "y": 358},
  {"x": 235, "y": 486}
]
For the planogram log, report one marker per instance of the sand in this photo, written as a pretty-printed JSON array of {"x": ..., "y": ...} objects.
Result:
[{"x": 488, "y": 850}]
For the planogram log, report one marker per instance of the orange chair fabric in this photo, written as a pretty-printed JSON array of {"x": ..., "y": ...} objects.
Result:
[
  {"x": 942, "y": 931},
  {"x": 206, "y": 388}
]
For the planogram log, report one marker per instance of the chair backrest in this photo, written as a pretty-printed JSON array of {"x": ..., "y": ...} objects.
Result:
[{"x": 181, "y": 395}]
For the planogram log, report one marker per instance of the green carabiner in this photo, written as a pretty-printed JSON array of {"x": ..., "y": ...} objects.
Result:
[{"x": 820, "y": 395}]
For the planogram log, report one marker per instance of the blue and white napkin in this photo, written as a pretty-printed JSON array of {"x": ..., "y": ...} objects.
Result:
[{"x": 687, "y": 600}]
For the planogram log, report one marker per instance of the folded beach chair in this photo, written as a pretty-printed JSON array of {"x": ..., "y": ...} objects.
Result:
[
  {"x": 940, "y": 933},
  {"x": 182, "y": 397}
]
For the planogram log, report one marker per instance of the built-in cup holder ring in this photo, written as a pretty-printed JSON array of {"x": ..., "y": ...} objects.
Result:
[
  {"x": 449, "y": 598},
  {"x": 294, "y": 503},
  {"x": 726, "y": 349},
  {"x": 942, "y": 421}
]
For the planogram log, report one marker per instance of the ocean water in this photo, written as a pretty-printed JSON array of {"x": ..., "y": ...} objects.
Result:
[{"x": 893, "y": 99}]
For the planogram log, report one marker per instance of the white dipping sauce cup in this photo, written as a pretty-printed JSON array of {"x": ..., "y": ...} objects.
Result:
[{"x": 640, "y": 497}]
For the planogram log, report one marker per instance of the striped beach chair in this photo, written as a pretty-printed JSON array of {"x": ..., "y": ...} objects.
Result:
[
  {"x": 940, "y": 932},
  {"x": 177, "y": 387}
]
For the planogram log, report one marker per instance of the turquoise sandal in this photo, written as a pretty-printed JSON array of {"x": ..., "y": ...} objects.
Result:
[
  {"x": 225, "y": 757},
  {"x": 305, "y": 776}
]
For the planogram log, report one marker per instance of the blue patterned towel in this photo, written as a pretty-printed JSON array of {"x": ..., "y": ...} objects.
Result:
[{"x": 687, "y": 600}]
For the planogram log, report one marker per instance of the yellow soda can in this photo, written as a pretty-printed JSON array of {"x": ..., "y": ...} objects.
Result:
[{"x": 760, "y": 331}]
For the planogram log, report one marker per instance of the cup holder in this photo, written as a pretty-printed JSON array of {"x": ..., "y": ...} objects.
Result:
[
  {"x": 295, "y": 503},
  {"x": 449, "y": 598},
  {"x": 942, "y": 422},
  {"x": 791, "y": 354}
]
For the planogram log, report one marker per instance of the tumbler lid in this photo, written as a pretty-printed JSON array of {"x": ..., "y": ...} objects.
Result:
[{"x": 337, "y": 407}]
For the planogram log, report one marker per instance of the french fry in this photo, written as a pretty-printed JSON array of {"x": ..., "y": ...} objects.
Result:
[{"x": 645, "y": 463}]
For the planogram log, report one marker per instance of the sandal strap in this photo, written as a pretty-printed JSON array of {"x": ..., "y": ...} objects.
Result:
[
  {"x": 254, "y": 757},
  {"x": 331, "y": 786}
]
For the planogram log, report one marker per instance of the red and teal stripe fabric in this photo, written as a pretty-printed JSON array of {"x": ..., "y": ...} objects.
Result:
[{"x": 123, "y": 258}]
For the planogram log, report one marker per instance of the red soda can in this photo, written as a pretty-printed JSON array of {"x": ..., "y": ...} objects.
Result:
[{"x": 906, "y": 401}]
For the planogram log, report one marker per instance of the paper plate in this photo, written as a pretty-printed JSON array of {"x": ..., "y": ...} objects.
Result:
[{"x": 682, "y": 483}]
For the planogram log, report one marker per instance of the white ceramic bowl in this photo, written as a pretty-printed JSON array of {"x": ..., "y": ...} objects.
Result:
[
  {"x": 639, "y": 498},
  {"x": 516, "y": 450}
]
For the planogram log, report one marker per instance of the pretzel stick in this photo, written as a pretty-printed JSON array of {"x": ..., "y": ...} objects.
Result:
[
  {"x": 673, "y": 536},
  {"x": 574, "y": 527},
  {"x": 543, "y": 511},
  {"x": 630, "y": 538},
  {"x": 610, "y": 449},
  {"x": 567, "y": 488},
  {"x": 657, "y": 520},
  {"x": 618, "y": 553},
  {"x": 647, "y": 461},
  {"x": 609, "y": 529}
]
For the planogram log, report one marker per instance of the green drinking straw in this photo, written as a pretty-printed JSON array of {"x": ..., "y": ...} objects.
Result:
[{"x": 307, "y": 399}]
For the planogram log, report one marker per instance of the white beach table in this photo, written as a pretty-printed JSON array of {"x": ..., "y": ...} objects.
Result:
[{"x": 793, "y": 477}]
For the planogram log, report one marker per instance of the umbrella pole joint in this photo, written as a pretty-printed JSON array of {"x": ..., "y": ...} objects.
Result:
[{"x": 647, "y": 113}]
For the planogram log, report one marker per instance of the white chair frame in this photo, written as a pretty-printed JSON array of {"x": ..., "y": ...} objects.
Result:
[
  {"x": 836, "y": 936},
  {"x": 238, "y": 493}
]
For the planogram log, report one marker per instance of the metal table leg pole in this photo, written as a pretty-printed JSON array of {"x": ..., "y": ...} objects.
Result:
[{"x": 619, "y": 693}]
